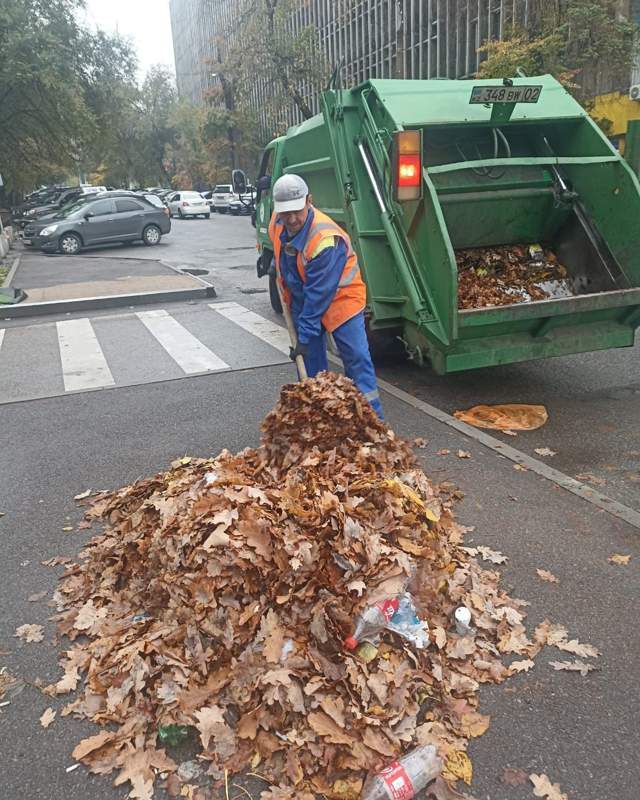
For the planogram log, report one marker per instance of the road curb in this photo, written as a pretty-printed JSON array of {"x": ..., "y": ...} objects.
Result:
[
  {"x": 104, "y": 301},
  {"x": 12, "y": 271}
]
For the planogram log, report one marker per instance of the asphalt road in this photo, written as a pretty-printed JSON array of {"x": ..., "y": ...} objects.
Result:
[
  {"x": 582, "y": 732},
  {"x": 593, "y": 399}
]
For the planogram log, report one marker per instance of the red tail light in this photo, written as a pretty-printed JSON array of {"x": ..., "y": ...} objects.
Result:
[
  {"x": 409, "y": 170},
  {"x": 407, "y": 160}
]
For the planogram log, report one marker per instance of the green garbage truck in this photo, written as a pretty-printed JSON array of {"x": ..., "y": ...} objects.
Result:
[{"x": 429, "y": 177}]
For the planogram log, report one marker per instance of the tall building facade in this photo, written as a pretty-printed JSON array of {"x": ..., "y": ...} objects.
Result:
[
  {"x": 194, "y": 27},
  {"x": 371, "y": 38},
  {"x": 379, "y": 39}
]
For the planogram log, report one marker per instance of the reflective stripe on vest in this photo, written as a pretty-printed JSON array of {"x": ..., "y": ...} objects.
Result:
[{"x": 351, "y": 294}]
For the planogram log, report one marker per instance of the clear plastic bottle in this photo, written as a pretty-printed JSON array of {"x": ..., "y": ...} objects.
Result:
[
  {"x": 403, "y": 779},
  {"x": 372, "y": 622}
]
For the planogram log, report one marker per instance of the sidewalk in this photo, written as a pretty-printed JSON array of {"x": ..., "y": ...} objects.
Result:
[
  {"x": 581, "y": 731},
  {"x": 58, "y": 283}
]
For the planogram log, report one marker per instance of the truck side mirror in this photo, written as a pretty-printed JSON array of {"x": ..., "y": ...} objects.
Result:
[
  {"x": 263, "y": 183},
  {"x": 239, "y": 180}
]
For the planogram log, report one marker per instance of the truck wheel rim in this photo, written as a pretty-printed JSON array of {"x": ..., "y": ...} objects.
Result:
[
  {"x": 69, "y": 244},
  {"x": 152, "y": 235}
]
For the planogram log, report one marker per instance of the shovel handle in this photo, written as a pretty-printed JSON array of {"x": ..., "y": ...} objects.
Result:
[{"x": 293, "y": 338}]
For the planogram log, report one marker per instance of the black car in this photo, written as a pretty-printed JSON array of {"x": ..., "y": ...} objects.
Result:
[
  {"x": 100, "y": 221},
  {"x": 63, "y": 199}
]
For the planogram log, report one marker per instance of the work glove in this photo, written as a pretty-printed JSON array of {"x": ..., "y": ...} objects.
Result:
[{"x": 299, "y": 350}]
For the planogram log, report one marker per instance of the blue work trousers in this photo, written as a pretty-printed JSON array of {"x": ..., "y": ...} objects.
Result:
[{"x": 353, "y": 347}]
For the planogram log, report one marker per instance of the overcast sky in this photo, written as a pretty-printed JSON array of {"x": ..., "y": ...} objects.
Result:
[{"x": 145, "y": 22}]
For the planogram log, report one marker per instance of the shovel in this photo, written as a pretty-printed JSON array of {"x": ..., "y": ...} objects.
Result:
[{"x": 302, "y": 370}]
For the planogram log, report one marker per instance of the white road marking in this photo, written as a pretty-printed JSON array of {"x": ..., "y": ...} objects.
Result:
[
  {"x": 2, "y": 330},
  {"x": 184, "y": 348},
  {"x": 83, "y": 363},
  {"x": 264, "y": 329}
]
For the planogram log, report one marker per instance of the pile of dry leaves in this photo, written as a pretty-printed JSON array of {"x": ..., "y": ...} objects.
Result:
[
  {"x": 220, "y": 592},
  {"x": 500, "y": 276}
]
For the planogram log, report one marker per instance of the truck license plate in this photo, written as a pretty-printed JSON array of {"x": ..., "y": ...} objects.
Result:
[{"x": 505, "y": 94}]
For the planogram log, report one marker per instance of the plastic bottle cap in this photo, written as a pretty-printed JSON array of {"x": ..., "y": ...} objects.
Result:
[{"x": 351, "y": 643}]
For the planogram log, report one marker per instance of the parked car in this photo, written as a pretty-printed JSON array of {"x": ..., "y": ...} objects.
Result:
[
  {"x": 102, "y": 220},
  {"x": 222, "y": 195},
  {"x": 62, "y": 200},
  {"x": 36, "y": 224},
  {"x": 188, "y": 204}
]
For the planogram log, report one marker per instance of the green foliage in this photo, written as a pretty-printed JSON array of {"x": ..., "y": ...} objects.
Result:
[
  {"x": 585, "y": 44},
  {"x": 44, "y": 114}
]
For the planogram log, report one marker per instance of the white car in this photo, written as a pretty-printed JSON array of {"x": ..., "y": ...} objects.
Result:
[
  {"x": 188, "y": 204},
  {"x": 222, "y": 195}
]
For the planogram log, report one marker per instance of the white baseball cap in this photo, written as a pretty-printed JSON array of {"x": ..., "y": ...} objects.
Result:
[{"x": 289, "y": 194}]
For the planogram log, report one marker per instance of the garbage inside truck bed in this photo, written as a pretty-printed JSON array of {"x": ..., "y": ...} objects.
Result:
[{"x": 502, "y": 276}]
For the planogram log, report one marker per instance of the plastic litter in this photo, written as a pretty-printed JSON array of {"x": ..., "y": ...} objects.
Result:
[
  {"x": 507, "y": 417},
  {"x": 172, "y": 735},
  {"x": 462, "y": 617},
  {"x": 397, "y": 614},
  {"x": 403, "y": 779}
]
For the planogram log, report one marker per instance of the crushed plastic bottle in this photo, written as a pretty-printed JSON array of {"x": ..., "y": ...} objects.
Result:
[
  {"x": 172, "y": 734},
  {"x": 397, "y": 614},
  {"x": 372, "y": 622},
  {"x": 403, "y": 779}
]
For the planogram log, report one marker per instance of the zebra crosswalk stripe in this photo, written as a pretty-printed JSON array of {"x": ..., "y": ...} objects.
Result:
[
  {"x": 83, "y": 363},
  {"x": 184, "y": 348},
  {"x": 253, "y": 323},
  {"x": 1, "y": 336}
]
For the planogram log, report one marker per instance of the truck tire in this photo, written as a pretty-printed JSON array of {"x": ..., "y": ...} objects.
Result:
[
  {"x": 385, "y": 344},
  {"x": 276, "y": 305}
]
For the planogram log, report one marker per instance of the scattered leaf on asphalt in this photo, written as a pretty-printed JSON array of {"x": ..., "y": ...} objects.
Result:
[
  {"x": 520, "y": 468},
  {"x": 474, "y": 724},
  {"x": 545, "y": 451},
  {"x": 513, "y": 777},
  {"x": 589, "y": 478},
  {"x": 33, "y": 598},
  {"x": 55, "y": 561},
  {"x": 458, "y": 767},
  {"x": 420, "y": 443},
  {"x": 47, "y": 718},
  {"x": 67, "y": 528},
  {"x": 82, "y": 495},
  {"x": 578, "y": 649},
  {"x": 542, "y": 787},
  {"x": 491, "y": 555},
  {"x": 545, "y": 575},
  {"x": 443, "y": 452},
  {"x": 573, "y": 666},
  {"x": 464, "y": 454},
  {"x": 510, "y": 432},
  {"x": 30, "y": 633},
  {"x": 616, "y": 558},
  {"x": 521, "y": 666}
]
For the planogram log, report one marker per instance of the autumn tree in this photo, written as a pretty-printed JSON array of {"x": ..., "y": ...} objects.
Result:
[{"x": 586, "y": 44}]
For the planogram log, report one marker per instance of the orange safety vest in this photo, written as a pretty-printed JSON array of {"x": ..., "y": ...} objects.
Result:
[{"x": 351, "y": 296}]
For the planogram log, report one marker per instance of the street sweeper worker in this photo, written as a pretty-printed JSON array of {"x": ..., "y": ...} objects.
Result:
[{"x": 318, "y": 273}]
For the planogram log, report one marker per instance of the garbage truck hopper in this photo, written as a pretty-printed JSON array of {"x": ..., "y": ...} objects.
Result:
[{"x": 493, "y": 220}]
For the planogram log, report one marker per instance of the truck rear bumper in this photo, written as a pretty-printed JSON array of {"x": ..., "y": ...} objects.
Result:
[
  {"x": 524, "y": 332},
  {"x": 510, "y": 348}
]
